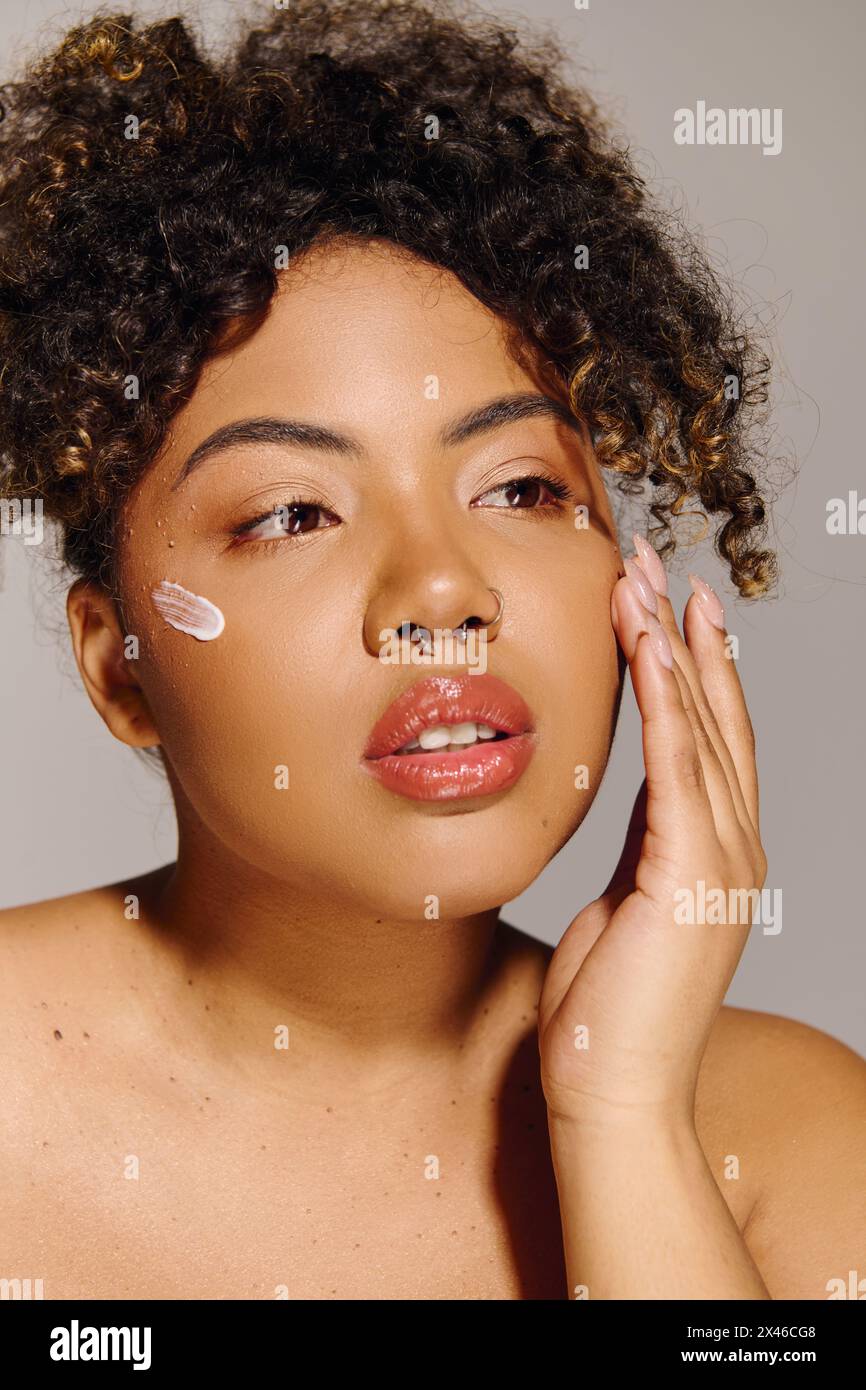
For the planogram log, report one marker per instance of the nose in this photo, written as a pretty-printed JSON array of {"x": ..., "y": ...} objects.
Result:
[{"x": 442, "y": 601}]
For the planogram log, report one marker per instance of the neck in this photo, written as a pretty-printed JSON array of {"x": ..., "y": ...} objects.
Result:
[{"x": 373, "y": 996}]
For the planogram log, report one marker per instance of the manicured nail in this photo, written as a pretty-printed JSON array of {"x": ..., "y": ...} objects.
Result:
[
  {"x": 708, "y": 601},
  {"x": 651, "y": 564},
  {"x": 660, "y": 644},
  {"x": 641, "y": 585}
]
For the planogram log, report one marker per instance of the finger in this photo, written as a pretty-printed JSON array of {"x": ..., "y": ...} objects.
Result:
[
  {"x": 703, "y": 624},
  {"x": 634, "y": 619},
  {"x": 647, "y": 567},
  {"x": 700, "y": 707},
  {"x": 677, "y": 792}
]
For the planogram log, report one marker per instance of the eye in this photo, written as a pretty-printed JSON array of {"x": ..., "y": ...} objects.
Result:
[
  {"x": 531, "y": 492},
  {"x": 283, "y": 522}
]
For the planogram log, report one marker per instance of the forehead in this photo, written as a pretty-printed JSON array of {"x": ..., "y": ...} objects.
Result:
[
  {"x": 360, "y": 330},
  {"x": 352, "y": 284}
]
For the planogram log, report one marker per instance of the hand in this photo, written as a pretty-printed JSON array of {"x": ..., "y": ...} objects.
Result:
[{"x": 632, "y": 992}]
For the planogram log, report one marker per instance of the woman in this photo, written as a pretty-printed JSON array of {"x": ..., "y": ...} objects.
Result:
[{"x": 320, "y": 356}]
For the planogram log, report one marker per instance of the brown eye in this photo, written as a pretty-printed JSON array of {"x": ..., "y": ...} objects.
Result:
[
  {"x": 298, "y": 518},
  {"x": 286, "y": 520},
  {"x": 532, "y": 493},
  {"x": 523, "y": 494}
]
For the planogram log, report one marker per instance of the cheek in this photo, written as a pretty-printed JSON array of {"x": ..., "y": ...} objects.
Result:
[
  {"x": 262, "y": 726},
  {"x": 582, "y": 703},
  {"x": 577, "y": 657}
]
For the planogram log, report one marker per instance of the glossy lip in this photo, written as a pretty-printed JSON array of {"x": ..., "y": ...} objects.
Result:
[{"x": 479, "y": 770}]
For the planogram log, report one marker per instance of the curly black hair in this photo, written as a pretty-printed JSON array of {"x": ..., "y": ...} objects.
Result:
[{"x": 146, "y": 189}]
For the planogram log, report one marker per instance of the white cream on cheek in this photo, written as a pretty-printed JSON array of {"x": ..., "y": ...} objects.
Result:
[{"x": 188, "y": 612}]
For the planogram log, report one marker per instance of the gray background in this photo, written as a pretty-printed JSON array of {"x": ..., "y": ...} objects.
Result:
[{"x": 77, "y": 809}]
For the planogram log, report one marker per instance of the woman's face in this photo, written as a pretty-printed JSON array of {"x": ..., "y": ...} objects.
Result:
[{"x": 368, "y": 343}]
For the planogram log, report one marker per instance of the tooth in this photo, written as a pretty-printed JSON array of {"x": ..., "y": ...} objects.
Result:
[
  {"x": 463, "y": 733},
  {"x": 438, "y": 737},
  {"x": 413, "y": 744},
  {"x": 485, "y": 731}
]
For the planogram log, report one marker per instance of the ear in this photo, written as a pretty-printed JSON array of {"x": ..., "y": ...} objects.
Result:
[{"x": 103, "y": 654}]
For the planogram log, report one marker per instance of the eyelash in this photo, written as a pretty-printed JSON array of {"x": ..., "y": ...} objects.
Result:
[{"x": 559, "y": 490}]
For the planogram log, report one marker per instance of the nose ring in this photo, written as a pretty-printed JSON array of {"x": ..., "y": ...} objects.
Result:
[{"x": 462, "y": 632}]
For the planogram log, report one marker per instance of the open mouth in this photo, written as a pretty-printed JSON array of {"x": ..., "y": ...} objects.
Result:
[
  {"x": 454, "y": 738},
  {"x": 448, "y": 737}
]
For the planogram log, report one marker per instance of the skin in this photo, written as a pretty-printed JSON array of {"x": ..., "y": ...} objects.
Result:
[{"x": 412, "y": 1041}]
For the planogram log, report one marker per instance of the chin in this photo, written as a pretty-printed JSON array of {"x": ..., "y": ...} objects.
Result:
[{"x": 467, "y": 884}]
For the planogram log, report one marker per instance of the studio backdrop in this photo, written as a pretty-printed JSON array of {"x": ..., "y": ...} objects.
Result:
[{"x": 748, "y": 119}]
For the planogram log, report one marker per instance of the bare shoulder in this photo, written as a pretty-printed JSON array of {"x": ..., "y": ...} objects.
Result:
[
  {"x": 55, "y": 954},
  {"x": 32, "y": 923},
  {"x": 68, "y": 1041},
  {"x": 72, "y": 911},
  {"x": 781, "y": 1109},
  {"x": 773, "y": 1072}
]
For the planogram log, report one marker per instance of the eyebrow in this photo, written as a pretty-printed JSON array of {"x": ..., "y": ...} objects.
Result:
[{"x": 504, "y": 410}]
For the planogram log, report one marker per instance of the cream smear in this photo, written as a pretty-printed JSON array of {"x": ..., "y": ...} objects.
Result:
[{"x": 188, "y": 612}]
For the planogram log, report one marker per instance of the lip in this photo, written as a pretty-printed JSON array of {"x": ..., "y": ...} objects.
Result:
[{"x": 478, "y": 770}]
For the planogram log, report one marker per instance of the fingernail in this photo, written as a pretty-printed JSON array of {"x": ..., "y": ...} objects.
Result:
[
  {"x": 641, "y": 586},
  {"x": 660, "y": 644},
  {"x": 651, "y": 564},
  {"x": 708, "y": 601}
]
